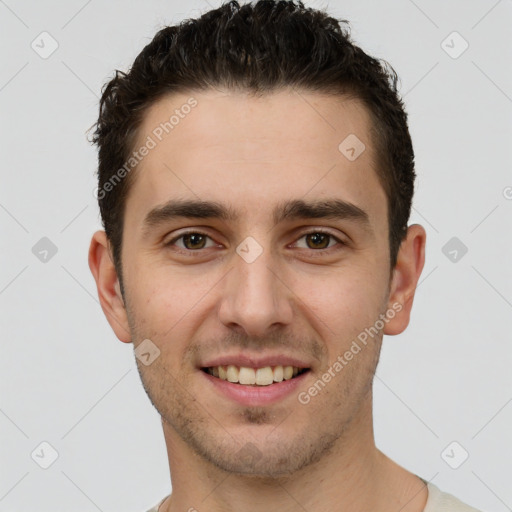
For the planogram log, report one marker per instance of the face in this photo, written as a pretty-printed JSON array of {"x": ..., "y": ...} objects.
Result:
[{"x": 260, "y": 270}]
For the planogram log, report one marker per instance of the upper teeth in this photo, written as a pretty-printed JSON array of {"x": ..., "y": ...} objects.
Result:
[{"x": 259, "y": 376}]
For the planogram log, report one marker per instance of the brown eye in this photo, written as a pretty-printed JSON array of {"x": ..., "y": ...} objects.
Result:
[
  {"x": 318, "y": 240},
  {"x": 194, "y": 241},
  {"x": 191, "y": 241}
]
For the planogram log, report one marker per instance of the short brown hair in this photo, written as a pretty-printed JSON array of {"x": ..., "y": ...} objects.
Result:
[{"x": 258, "y": 47}]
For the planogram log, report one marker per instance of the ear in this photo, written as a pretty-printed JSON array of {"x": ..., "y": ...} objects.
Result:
[
  {"x": 407, "y": 271},
  {"x": 107, "y": 283}
]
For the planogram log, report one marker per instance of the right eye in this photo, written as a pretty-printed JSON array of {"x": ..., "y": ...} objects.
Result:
[{"x": 192, "y": 241}]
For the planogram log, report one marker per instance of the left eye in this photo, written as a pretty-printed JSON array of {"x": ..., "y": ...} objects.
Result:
[
  {"x": 319, "y": 239},
  {"x": 196, "y": 240}
]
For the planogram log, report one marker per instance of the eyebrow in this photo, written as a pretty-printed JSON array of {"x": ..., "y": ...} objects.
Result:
[{"x": 296, "y": 209}]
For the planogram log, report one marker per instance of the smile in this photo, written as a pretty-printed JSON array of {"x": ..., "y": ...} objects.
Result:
[{"x": 254, "y": 376}]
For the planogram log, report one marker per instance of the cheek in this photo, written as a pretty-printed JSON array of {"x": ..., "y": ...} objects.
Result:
[
  {"x": 342, "y": 305},
  {"x": 163, "y": 306},
  {"x": 167, "y": 306}
]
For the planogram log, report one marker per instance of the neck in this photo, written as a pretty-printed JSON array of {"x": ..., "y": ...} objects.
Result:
[{"x": 353, "y": 475}]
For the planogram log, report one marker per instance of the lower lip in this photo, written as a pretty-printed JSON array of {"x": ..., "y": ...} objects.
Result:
[{"x": 256, "y": 395}]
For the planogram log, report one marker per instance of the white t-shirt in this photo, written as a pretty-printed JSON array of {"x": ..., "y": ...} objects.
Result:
[{"x": 437, "y": 501}]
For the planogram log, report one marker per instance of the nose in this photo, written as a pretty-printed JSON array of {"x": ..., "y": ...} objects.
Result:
[{"x": 256, "y": 297}]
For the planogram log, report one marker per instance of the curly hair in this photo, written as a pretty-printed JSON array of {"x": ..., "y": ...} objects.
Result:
[{"x": 259, "y": 48}]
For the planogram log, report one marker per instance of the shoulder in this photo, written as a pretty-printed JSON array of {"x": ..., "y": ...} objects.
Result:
[{"x": 439, "y": 501}]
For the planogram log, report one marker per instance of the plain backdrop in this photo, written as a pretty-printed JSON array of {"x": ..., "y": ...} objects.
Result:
[{"x": 67, "y": 382}]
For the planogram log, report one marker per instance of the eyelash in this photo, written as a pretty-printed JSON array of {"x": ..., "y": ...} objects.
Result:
[{"x": 190, "y": 252}]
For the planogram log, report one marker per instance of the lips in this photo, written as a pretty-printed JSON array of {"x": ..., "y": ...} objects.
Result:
[
  {"x": 248, "y": 361},
  {"x": 254, "y": 395},
  {"x": 253, "y": 380}
]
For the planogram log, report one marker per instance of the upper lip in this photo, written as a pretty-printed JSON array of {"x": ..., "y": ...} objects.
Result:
[{"x": 249, "y": 361}]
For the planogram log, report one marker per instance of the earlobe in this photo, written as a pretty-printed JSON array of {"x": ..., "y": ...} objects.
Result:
[
  {"x": 406, "y": 274},
  {"x": 107, "y": 284}
]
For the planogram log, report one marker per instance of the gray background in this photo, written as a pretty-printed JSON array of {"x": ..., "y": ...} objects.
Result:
[{"x": 67, "y": 380}]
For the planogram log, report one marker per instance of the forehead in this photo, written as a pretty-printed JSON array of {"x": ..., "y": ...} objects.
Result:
[{"x": 254, "y": 152}]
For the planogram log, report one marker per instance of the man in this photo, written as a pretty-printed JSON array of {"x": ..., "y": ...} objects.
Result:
[{"x": 256, "y": 175}]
